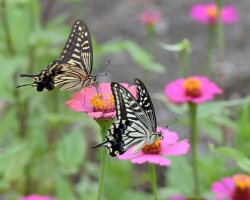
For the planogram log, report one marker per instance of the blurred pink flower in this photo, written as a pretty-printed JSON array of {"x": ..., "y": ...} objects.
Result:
[
  {"x": 36, "y": 197},
  {"x": 208, "y": 13},
  {"x": 169, "y": 146},
  {"x": 97, "y": 104},
  {"x": 150, "y": 17},
  {"x": 196, "y": 89},
  {"x": 232, "y": 188}
]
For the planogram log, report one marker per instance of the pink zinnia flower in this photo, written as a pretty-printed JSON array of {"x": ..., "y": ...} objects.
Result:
[
  {"x": 208, "y": 13},
  {"x": 36, "y": 197},
  {"x": 150, "y": 17},
  {"x": 196, "y": 89},
  {"x": 232, "y": 188},
  {"x": 97, "y": 104},
  {"x": 169, "y": 146}
]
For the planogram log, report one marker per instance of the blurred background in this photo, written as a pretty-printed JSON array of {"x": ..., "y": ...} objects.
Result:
[{"x": 45, "y": 146}]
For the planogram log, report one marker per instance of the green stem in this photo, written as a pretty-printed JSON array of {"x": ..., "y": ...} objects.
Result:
[
  {"x": 6, "y": 29},
  {"x": 221, "y": 44},
  {"x": 153, "y": 180},
  {"x": 210, "y": 48},
  {"x": 104, "y": 126},
  {"x": 184, "y": 63},
  {"x": 150, "y": 36},
  {"x": 193, "y": 133}
]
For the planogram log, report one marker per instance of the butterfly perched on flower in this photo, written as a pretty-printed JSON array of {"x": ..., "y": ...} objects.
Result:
[
  {"x": 73, "y": 67},
  {"x": 136, "y": 121}
]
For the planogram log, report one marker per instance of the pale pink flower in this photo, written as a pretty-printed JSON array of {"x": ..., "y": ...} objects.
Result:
[
  {"x": 149, "y": 17},
  {"x": 98, "y": 104},
  {"x": 208, "y": 13},
  {"x": 168, "y": 146},
  {"x": 196, "y": 89},
  {"x": 36, "y": 197},
  {"x": 232, "y": 188}
]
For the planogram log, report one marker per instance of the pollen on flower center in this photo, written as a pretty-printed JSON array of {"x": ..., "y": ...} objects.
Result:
[
  {"x": 242, "y": 187},
  {"x": 152, "y": 148},
  {"x": 212, "y": 12},
  {"x": 102, "y": 105},
  {"x": 192, "y": 87}
]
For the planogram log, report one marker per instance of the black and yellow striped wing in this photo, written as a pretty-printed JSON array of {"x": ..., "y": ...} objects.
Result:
[
  {"x": 73, "y": 67},
  {"x": 78, "y": 49},
  {"x": 136, "y": 121}
]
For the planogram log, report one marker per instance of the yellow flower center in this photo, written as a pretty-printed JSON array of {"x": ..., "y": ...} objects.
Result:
[
  {"x": 192, "y": 87},
  {"x": 102, "y": 105},
  {"x": 241, "y": 190},
  {"x": 212, "y": 12},
  {"x": 152, "y": 148}
]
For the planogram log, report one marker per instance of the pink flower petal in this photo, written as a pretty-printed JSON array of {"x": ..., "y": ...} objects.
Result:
[
  {"x": 80, "y": 101},
  {"x": 109, "y": 115},
  {"x": 198, "y": 12},
  {"x": 168, "y": 136},
  {"x": 176, "y": 149},
  {"x": 229, "y": 15},
  {"x": 128, "y": 155},
  {"x": 95, "y": 115},
  {"x": 175, "y": 91},
  {"x": 152, "y": 158},
  {"x": 36, "y": 197},
  {"x": 223, "y": 190}
]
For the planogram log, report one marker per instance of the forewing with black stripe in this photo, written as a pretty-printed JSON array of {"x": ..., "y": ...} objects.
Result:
[
  {"x": 145, "y": 102},
  {"x": 78, "y": 49},
  {"x": 133, "y": 125}
]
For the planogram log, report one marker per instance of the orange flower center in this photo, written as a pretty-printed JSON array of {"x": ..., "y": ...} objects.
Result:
[
  {"x": 152, "y": 148},
  {"x": 192, "y": 87},
  {"x": 242, "y": 189},
  {"x": 212, "y": 12},
  {"x": 102, "y": 105}
]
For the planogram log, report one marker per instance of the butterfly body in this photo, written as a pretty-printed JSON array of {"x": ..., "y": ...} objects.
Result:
[
  {"x": 136, "y": 121},
  {"x": 73, "y": 67}
]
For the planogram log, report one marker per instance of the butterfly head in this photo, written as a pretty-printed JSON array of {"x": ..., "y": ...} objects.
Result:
[{"x": 160, "y": 135}]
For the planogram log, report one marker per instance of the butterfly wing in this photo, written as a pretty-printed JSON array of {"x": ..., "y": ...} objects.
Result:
[
  {"x": 73, "y": 67},
  {"x": 78, "y": 48},
  {"x": 145, "y": 102},
  {"x": 131, "y": 126}
]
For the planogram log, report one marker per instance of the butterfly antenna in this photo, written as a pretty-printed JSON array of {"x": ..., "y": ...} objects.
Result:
[
  {"x": 171, "y": 123},
  {"x": 103, "y": 69}
]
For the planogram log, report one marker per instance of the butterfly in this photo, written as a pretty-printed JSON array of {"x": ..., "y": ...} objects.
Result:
[
  {"x": 73, "y": 67},
  {"x": 136, "y": 121}
]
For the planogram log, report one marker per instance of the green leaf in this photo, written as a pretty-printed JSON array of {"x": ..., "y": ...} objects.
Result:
[
  {"x": 183, "y": 45},
  {"x": 70, "y": 151},
  {"x": 240, "y": 158},
  {"x": 143, "y": 58},
  {"x": 63, "y": 188}
]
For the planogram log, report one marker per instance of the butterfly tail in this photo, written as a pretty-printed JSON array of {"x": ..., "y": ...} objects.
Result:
[
  {"x": 34, "y": 76},
  {"x": 30, "y": 84}
]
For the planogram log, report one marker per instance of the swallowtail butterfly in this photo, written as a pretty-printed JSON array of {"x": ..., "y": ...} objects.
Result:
[
  {"x": 73, "y": 67},
  {"x": 136, "y": 121}
]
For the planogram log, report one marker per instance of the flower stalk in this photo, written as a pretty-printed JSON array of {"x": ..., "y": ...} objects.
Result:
[
  {"x": 193, "y": 134},
  {"x": 210, "y": 49},
  {"x": 104, "y": 126},
  {"x": 153, "y": 180}
]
